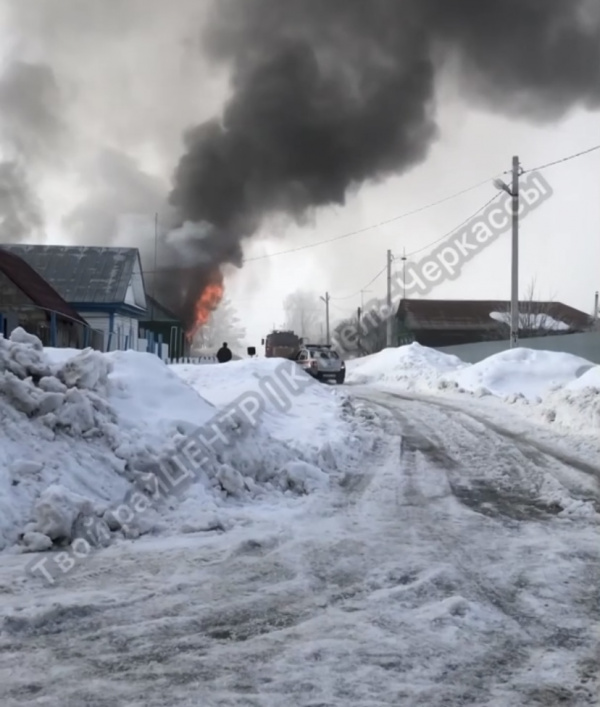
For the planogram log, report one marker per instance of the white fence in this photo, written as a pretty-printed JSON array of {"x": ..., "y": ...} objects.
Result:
[
  {"x": 192, "y": 360},
  {"x": 583, "y": 345},
  {"x": 142, "y": 345},
  {"x": 159, "y": 349}
]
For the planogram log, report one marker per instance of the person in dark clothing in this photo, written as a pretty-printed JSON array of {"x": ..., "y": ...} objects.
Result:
[{"x": 224, "y": 354}]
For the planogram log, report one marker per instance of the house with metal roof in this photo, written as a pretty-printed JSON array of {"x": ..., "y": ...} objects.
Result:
[
  {"x": 28, "y": 301},
  {"x": 103, "y": 284},
  {"x": 161, "y": 326},
  {"x": 441, "y": 323}
]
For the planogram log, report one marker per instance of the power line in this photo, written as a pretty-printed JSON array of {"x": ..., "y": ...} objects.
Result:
[
  {"x": 343, "y": 310},
  {"x": 466, "y": 221},
  {"x": 379, "y": 274},
  {"x": 426, "y": 247},
  {"x": 423, "y": 208},
  {"x": 376, "y": 225},
  {"x": 564, "y": 159},
  {"x": 449, "y": 233}
]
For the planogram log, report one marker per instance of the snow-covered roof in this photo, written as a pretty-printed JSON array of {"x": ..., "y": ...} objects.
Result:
[
  {"x": 529, "y": 320},
  {"x": 35, "y": 287},
  {"x": 477, "y": 314}
]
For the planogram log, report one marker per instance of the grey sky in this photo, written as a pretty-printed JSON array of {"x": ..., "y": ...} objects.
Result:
[{"x": 131, "y": 80}]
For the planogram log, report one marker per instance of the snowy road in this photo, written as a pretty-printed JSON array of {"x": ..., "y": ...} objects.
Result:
[{"x": 461, "y": 568}]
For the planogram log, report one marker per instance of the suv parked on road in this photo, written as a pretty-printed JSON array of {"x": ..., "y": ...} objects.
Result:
[{"x": 321, "y": 362}]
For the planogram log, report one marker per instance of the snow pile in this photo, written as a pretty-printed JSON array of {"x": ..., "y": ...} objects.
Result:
[
  {"x": 70, "y": 398},
  {"x": 576, "y": 406},
  {"x": 413, "y": 366},
  {"x": 590, "y": 379},
  {"x": 54, "y": 421},
  {"x": 322, "y": 424},
  {"x": 555, "y": 387},
  {"x": 519, "y": 372},
  {"x": 85, "y": 435}
]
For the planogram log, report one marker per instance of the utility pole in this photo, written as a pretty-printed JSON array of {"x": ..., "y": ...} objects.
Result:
[
  {"x": 390, "y": 318},
  {"x": 326, "y": 300},
  {"x": 404, "y": 273},
  {"x": 513, "y": 192},
  {"x": 358, "y": 313},
  {"x": 514, "y": 306},
  {"x": 155, "y": 256}
]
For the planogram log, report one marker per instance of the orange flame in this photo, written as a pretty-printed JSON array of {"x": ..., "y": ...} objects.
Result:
[{"x": 206, "y": 304}]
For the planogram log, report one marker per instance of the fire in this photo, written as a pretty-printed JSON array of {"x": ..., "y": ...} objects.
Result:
[{"x": 206, "y": 304}]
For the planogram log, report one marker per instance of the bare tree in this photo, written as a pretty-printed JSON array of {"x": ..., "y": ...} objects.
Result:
[
  {"x": 370, "y": 336},
  {"x": 304, "y": 315},
  {"x": 536, "y": 318},
  {"x": 223, "y": 326}
]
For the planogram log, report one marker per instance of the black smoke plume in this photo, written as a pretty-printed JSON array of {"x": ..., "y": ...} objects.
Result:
[
  {"x": 31, "y": 132},
  {"x": 325, "y": 96},
  {"x": 330, "y": 94}
]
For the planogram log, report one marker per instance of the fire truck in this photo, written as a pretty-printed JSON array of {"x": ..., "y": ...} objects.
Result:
[{"x": 281, "y": 344}]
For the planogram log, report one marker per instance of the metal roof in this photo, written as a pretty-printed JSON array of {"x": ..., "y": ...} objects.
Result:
[
  {"x": 475, "y": 314},
  {"x": 157, "y": 312},
  {"x": 82, "y": 274},
  {"x": 35, "y": 287}
]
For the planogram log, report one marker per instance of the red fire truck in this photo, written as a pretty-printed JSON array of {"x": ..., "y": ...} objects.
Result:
[{"x": 281, "y": 344}]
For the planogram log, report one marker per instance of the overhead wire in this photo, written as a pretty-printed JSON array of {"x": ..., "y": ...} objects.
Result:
[
  {"x": 420, "y": 209},
  {"x": 362, "y": 289},
  {"x": 488, "y": 203},
  {"x": 372, "y": 226},
  {"x": 454, "y": 230},
  {"x": 426, "y": 247},
  {"x": 563, "y": 159},
  {"x": 416, "y": 211}
]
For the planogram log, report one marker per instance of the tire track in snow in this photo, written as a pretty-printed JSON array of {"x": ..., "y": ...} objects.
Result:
[
  {"x": 520, "y": 439},
  {"x": 534, "y": 636},
  {"x": 388, "y": 598}
]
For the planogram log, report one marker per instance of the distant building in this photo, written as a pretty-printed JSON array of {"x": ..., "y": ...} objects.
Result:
[
  {"x": 28, "y": 301},
  {"x": 104, "y": 285},
  {"x": 439, "y": 323},
  {"x": 165, "y": 328}
]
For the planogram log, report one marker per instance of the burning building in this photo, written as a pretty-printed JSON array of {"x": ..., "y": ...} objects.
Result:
[{"x": 324, "y": 97}]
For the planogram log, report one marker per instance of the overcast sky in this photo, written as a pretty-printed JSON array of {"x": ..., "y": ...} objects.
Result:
[
  {"x": 559, "y": 247},
  {"x": 135, "y": 90}
]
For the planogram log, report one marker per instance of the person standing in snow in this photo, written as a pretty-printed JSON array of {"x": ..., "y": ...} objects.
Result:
[{"x": 224, "y": 354}]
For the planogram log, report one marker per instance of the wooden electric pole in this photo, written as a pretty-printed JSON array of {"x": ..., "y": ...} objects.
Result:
[
  {"x": 513, "y": 192},
  {"x": 514, "y": 305},
  {"x": 390, "y": 319},
  {"x": 326, "y": 300}
]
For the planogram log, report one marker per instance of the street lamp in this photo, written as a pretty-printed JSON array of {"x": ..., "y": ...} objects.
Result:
[{"x": 514, "y": 194}]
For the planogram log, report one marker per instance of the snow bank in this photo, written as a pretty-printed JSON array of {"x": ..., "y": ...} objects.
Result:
[
  {"x": 143, "y": 388},
  {"x": 321, "y": 424},
  {"x": 590, "y": 379},
  {"x": 522, "y": 372},
  {"x": 556, "y": 388},
  {"x": 576, "y": 405},
  {"x": 413, "y": 366},
  {"x": 53, "y": 424},
  {"x": 82, "y": 431}
]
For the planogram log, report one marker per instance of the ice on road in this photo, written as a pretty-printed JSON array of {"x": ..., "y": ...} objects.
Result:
[{"x": 461, "y": 567}]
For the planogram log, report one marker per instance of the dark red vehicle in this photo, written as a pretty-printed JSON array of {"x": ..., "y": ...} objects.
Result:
[{"x": 282, "y": 344}]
